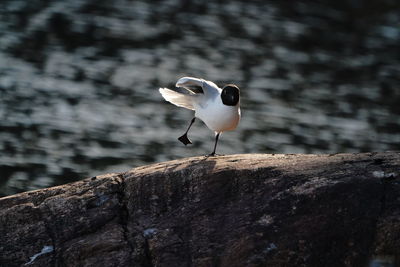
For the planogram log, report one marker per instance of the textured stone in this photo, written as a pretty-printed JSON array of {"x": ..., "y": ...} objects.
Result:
[{"x": 238, "y": 210}]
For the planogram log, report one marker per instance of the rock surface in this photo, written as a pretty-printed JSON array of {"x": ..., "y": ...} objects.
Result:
[{"x": 238, "y": 210}]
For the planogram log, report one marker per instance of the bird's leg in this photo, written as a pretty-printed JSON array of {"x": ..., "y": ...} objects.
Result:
[
  {"x": 215, "y": 145},
  {"x": 184, "y": 139}
]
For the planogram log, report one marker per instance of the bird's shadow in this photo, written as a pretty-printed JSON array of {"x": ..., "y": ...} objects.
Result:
[{"x": 204, "y": 164}]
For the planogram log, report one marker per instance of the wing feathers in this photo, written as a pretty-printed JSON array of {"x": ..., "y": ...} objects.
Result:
[{"x": 178, "y": 99}]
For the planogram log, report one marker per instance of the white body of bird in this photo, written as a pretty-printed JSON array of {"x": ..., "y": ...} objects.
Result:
[
  {"x": 207, "y": 105},
  {"x": 217, "y": 116}
]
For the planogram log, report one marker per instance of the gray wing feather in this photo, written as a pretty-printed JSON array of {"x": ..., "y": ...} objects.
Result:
[{"x": 210, "y": 89}]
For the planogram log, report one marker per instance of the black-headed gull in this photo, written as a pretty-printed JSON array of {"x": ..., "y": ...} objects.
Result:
[{"x": 218, "y": 108}]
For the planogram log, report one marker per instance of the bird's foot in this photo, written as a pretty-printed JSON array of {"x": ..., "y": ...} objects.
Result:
[{"x": 184, "y": 139}]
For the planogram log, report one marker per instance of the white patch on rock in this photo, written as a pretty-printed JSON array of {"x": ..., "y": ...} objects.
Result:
[
  {"x": 45, "y": 249},
  {"x": 382, "y": 174},
  {"x": 148, "y": 233},
  {"x": 265, "y": 220},
  {"x": 270, "y": 247}
]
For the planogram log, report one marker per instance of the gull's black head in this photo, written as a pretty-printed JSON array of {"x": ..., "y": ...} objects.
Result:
[{"x": 230, "y": 95}]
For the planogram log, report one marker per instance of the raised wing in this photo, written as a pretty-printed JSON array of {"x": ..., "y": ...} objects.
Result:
[{"x": 192, "y": 84}]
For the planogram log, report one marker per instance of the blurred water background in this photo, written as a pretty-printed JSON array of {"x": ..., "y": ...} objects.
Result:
[{"x": 79, "y": 80}]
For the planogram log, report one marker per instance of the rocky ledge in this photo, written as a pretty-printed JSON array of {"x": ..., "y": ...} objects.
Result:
[{"x": 238, "y": 210}]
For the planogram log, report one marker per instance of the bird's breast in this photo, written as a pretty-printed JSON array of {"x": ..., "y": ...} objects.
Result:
[{"x": 217, "y": 116}]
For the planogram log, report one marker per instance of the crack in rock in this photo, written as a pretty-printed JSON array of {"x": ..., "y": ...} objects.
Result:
[{"x": 124, "y": 213}]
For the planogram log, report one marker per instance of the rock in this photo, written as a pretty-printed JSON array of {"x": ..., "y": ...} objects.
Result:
[{"x": 238, "y": 210}]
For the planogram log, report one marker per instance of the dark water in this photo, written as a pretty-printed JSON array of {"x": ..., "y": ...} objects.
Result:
[{"x": 79, "y": 80}]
